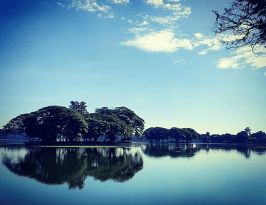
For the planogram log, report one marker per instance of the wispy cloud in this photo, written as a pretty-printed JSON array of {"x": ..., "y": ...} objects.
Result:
[
  {"x": 174, "y": 10},
  {"x": 104, "y": 10},
  {"x": 89, "y": 5},
  {"x": 159, "y": 41},
  {"x": 156, "y": 3},
  {"x": 160, "y": 33},
  {"x": 180, "y": 61},
  {"x": 243, "y": 57},
  {"x": 120, "y": 1}
]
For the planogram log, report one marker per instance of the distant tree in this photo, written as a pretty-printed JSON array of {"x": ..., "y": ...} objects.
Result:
[
  {"x": 242, "y": 137},
  {"x": 156, "y": 133},
  {"x": 79, "y": 107},
  {"x": 159, "y": 133},
  {"x": 247, "y": 130},
  {"x": 258, "y": 137},
  {"x": 246, "y": 19}
]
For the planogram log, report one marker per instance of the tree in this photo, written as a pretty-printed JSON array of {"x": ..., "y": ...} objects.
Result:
[
  {"x": 246, "y": 20},
  {"x": 79, "y": 107},
  {"x": 54, "y": 123},
  {"x": 121, "y": 121},
  {"x": 242, "y": 137},
  {"x": 16, "y": 125},
  {"x": 247, "y": 130}
]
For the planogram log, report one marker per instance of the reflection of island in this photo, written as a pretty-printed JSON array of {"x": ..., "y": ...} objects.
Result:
[
  {"x": 243, "y": 149},
  {"x": 73, "y": 165},
  {"x": 172, "y": 150},
  {"x": 190, "y": 150}
]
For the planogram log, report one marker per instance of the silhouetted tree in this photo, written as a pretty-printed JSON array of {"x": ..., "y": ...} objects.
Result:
[
  {"x": 242, "y": 137},
  {"x": 246, "y": 20},
  {"x": 79, "y": 107},
  {"x": 247, "y": 130},
  {"x": 54, "y": 123},
  {"x": 119, "y": 122}
]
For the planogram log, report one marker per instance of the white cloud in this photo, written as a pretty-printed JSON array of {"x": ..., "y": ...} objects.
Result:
[
  {"x": 138, "y": 30},
  {"x": 120, "y": 1},
  {"x": 159, "y": 41},
  {"x": 212, "y": 43},
  {"x": 156, "y": 3},
  {"x": 225, "y": 63},
  {"x": 199, "y": 36},
  {"x": 143, "y": 23},
  {"x": 202, "y": 53},
  {"x": 243, "y": 57},
  {"x": 89, "y": 5},
  {"x": 176, "y": 9}
]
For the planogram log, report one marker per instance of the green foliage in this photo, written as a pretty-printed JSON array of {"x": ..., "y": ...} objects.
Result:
[
  {"x": 176, "y": 134},
  {"x": 79, "y": 107},
  {"x": 16, "y": 125},
  {"x": 50, "y": 124},
  {"x": 112, "y": 123},
  {"x": 54, "y": 123}
]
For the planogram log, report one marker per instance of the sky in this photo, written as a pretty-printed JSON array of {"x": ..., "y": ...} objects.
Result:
[{"x": 159, "y": 58}]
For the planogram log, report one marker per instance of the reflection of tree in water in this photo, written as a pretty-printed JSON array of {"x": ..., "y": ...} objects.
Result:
[
  {"x": 172, "y": 150},
  {"x": 73, "y": 165},
  {"x": 244, "y": 150},
  {"x": 189, "y": 150}
]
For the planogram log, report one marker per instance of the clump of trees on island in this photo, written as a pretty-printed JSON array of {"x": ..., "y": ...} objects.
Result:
[
  {"x": 57, "y": 124},
  {"x": 54, "y": 124},
  {"x": 187, "y": 135}
]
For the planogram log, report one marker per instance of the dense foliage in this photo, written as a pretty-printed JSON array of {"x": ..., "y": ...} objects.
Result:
[
  {"x": 174, "y": 134},
  {"x": 50, "y": 124},
  {"x": 55, "y": 124},
  {"x": 59, "y": 124},
  {"x": 120, "y": 122}
]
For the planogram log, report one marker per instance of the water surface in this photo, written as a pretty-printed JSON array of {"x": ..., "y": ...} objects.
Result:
[{"x": 145, "y": 174}]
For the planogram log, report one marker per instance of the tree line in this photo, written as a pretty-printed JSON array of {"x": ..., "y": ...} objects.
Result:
[
  {"x": 57, "y": 124},
  {"x": 54, "y": 124}
]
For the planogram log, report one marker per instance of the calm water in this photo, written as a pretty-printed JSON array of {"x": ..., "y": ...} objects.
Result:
[{"x": 184, "y": 174}]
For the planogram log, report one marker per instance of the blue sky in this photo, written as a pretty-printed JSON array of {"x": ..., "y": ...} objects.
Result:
[{"x": 159, "y": 58}]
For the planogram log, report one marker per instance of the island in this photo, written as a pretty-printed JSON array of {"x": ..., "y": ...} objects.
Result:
[{"x": 58, "y": 125}]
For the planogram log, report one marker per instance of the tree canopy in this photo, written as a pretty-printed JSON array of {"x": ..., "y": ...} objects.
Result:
[
  {"x": 246, "y": 20},
  {"x": 173, "y": 134},
  {"x": 79, "y": 107},
  {"x": 118, "y": 122},
  {"x": 59, "y": 124},
  {"x": 53, "y": 123}
]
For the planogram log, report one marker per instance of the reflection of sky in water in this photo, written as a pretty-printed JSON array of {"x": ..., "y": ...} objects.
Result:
[
  {"x": 15, "y": 155},
  {"x": 209, "y": 177}
]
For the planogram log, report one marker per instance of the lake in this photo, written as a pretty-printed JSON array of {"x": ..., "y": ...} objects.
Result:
[{"x": 141, "y": 174}]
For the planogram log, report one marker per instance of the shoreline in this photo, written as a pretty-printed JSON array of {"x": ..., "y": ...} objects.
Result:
[{"x": 129, "y": 144}]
